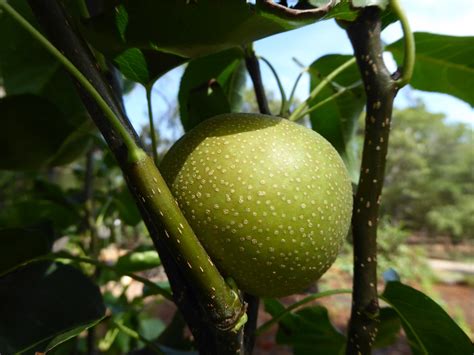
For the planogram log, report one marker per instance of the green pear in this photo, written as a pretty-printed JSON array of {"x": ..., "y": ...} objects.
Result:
[{"x": 270, "y": 200}]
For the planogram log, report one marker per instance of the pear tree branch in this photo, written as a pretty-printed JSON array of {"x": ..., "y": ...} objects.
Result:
[
  {"x": 253, "y": 68},
  {"x": 364, "y": 34}
]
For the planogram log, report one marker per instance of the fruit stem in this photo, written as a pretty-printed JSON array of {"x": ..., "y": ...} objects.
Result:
[
  {"x": 154, "y": 145},
  {"x": 380, "y": 88},
  {"x": 324, "y": 82},
  {"x": 410, "y": 52},
  {"x": 135, "y": 153}
]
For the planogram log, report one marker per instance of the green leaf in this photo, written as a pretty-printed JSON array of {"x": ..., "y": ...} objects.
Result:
[
  {"x": 18, "y": 245},
  {"x": 151, "y": 328},
  {"x": 188, "y": 28},
  {"x": 20, "y": 72},
  {"x": 138, "y": 260},
  {"x": 336, "y": 120},
  {"x": 150, "y": 291},
  {"x": 31, "y": 212},
  {"x": 76, "y": 144},
  {"x": 204, "y": 102},
  {"x": 127, "y": 209},
  {"x": 348, "y": 10},
  {"x": 33, "y": 131},
  {"x": 208, "y": 85},
  {"x": 388, "y": 328},
  {"x": 148, "y": 38},
  {"x": 62, "y": 338},
  {"x": 429, "y": 328},
  {"x": 233, "y": 84},
  {"x": 44, "y": 300},
  {"x": 61, "y": 91},
  {"x": 42, "y": 76},
  {"x": 308, "y": 331},
  {"x": 443, "y": 64},
  {"x": 364, "y": 3},
  {"x": 343, "y": 10},
  {"x": 145, "y": 66},
  {"x": 273, "y": 306}
]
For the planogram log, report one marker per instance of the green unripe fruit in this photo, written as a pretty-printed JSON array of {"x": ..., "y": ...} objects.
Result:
[{"x": 269, "y": 200}]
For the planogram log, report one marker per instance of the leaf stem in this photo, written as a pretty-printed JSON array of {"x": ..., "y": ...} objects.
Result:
[
  {"x": 267, "y": 325},
  {"x": 154, "y": 145},
  {"x": 134, "y": 152},
  {"x": 280, "y": 86},
  {"x": 325, "y": 101},
  {"x": 409, "y": 40},
  {"x": 293, "y": 91},
  {"x": 324, "y": 82}
]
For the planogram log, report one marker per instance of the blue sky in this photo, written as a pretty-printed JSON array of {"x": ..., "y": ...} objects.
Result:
[{"x": 311, "y": 42}]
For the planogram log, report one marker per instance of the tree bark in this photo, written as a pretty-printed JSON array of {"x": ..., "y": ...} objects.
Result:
[{"x": 380, "y": 89}]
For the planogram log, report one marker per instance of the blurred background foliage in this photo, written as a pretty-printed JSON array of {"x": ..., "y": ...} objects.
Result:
[{"x": 429, "y": 183}]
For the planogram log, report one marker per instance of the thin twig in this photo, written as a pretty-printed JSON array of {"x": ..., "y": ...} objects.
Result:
[{"x": 253, "y": 67}]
